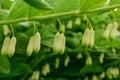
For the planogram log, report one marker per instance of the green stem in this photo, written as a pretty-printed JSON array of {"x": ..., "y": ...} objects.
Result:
[
  {"x": 12, "y": 30},
  {"x": 61, "y": 28},
  {"x": 55, "y": 15},
  {"x": 88, "y": 22},
  {"x": 35, "y": 28},
  {"x": 112, "y": 12}
]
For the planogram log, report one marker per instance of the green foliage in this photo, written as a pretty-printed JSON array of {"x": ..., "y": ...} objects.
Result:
[
  {"x": 26, "y": 17},
  {"x": 4, "y": 65}
]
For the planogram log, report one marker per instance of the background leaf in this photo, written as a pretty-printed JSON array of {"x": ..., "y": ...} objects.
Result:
[{"x": 4, "y": 65}]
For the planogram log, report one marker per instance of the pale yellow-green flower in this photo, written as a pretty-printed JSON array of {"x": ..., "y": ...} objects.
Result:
[
  {"x": 37, "y": 42},
  {"x": 77, "y": 21},
  {"x": 114, "y": 30},
  {"x": 29, "y": 50},
  {"x": 69, "y": 24},
  {"x": 86, "y": 37},
  {"x": 45, "y": 69},
  {"x": 107, "y": 31},
  {"x": 91, "y": 38},
  {"x": 89, "y": 60},
  {"x": 57, "y": 62},
  {"x": 67, "y": 60},
  {"x": 12, "y": 45},
  {"x": 59, "y": 43},
  {"x": 35, "y": 75},
  {"x": 5, "y": 47}
]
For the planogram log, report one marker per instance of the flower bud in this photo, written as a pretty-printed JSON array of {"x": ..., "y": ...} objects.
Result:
[
  {"x": 85, "y": 39},
  {"x": 67, "y": 60},
  {"x": 86, "y": 78},
  {"x": 5, "y": 47},
  {"x": 57, "y": 62},
  {"x": 78, "y": 21},
  {"x": 101, "y": 57},
  {"x": 94, "y": 77},
  {"x": 6, "y": 30},
  {"x": 12, "y": 45},
  {"x": 91, "y": 38},
  {"x": 102, "y": 75},
  {"x": 35, "y": 75},
  {"x": 37, "y": 41},
  {"x": 113, "y": 32},
  {"x": 30, "y": 46},
  {"x": 89, "y": 60},
  {"x": 59, "y": 43},
  {"x": 69, "y": 24},
  {"x": 107, "y": 31},
  {"x": 113, "y": 50},
  {"x": 46, "y": 69},
  {"x": 115, "y": 72},
  {"x": 109, "y": 73},
  {"x": 79, "y": 56}
]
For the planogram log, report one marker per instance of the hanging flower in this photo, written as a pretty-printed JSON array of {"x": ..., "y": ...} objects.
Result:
[
  {"x": 85, "y": 39},
  {"x": 88, "y": 38},
  {"x": 67, "y": 60},
  {"x": 69, "y": 24},
  {"x": 114, "y": 30},
  {"x": 12, "y": 45},
  {"x": 88, "y": 60},
  {"x": 57, "y": 62},
  {"x": 34, "y": 44},
  {"x": 107, "y": 31},
  {"x": 45, "y": 69},
  {"x": 111, "y": 30},
  {"x": 37, "y": 41},
  {"x": 5, "y": 47},
  {"x": 77, "y": 21},
  {"x": 6, "y": 30},
  {"x": 35, "y": 75},
  {"x": 30, "y": 46},
  {"x": 91, "y": 38},
  {"x": 59, "y": 43}
]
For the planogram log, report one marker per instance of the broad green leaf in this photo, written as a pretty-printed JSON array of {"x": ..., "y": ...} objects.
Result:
[
  {"x": 66, "y": 5},
  {"x": 47, "y": 35},
  {"x": 4, "y": 65},
  {"x": 40, "y": 4},
  {"x": 85, "y": 5},
  {"x": 3, "y": 14},
  {"x": 94, "y": 68},
  {"x": 18, "y": 9},
  {"x": 114, "y": 2},
  {"x": 21, "y": 9},
  {"x": 17, "y": 69},
  {"x": 5, "y": 4}
]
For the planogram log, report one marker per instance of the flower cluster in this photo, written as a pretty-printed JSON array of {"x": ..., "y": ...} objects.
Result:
[
  {"x": 34, "y": 44},
  {"x": 59, "y": 43},
  {"x": 8, "y": 47},
  {"x": 88, "y": 38},
  {"x": 111, "y": 30}
]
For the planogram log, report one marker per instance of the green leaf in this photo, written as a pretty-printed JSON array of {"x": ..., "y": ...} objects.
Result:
[
  {"x": 85, "y": 5},
  {"x": 18, "y": 11},
  {"x": 66, "y": 5},
  {"x": 114, "y": 2},
  {"x": 4, "y": 65},
  {"x": 3, "y": 14},
  {"x": 5, "y": 4},
  {"x": 47, "y": 35},
  {"x": 40, "y": 4},
  {"x": 94, "y": 68}
]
